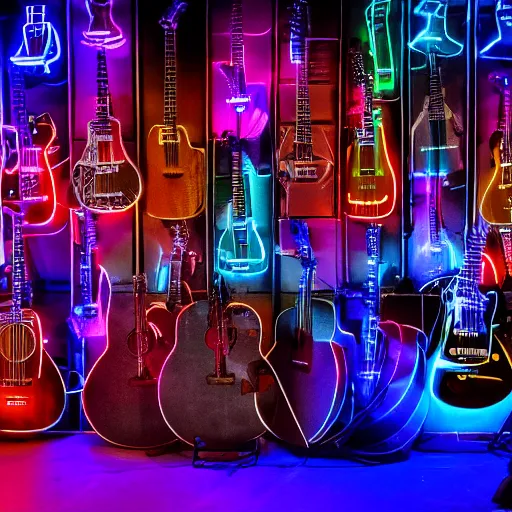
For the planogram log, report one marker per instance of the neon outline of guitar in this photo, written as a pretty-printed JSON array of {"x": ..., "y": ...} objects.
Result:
[{"x": 487, "y": 53}]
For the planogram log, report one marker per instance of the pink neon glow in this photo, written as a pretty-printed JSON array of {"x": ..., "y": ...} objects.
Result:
[{"x": 385, "y": 147}]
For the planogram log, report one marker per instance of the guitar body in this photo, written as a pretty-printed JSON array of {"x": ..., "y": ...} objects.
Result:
[
  {"x": 118, "y": 191},
  {"x": 469, "y": 397},
  {"x": 237, "y": 258},
  {"x": 40, "y": 212},
  {"x": 122, "y": 410},
  {"x": 174, "y": 192},
  {"x": 220, "y": 415},
  {"x": 39, "y": 405},
  {"x": 496, "y": 203},
  {"x": 313, "y": 198},
  {"x": 315, "y": 398},
  {"x": 370, "y": 197},
  {"x": 392, "y": 414}
]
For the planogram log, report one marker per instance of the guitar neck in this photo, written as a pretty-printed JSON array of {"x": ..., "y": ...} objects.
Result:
[
  {"x": 18, "y": 265},
  {"x": 471, "y": 271},
  {"x": 19, "y": 109},
  {"x": 237, "y": 185},
  {"x": 504, "y": 126},
  {"x": 170, "y": 103},
  {"x": 373, "y": 301},
  {"x": 303, "y": 134},
  {"x": 174, "y": 285},
  {"x": 103, "y": 97},
  {"x": 237, "y": 36},
  {"x": 304, "y": 301},
  {"x": 86, "y": 257},
  {"x": 436, "y": 100}
]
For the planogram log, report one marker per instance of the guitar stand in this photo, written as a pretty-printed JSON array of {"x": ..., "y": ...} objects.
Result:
[{"x": 244, "y": 455}]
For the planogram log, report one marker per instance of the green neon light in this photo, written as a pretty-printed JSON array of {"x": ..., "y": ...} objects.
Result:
[{"x": 377, "y": 22}]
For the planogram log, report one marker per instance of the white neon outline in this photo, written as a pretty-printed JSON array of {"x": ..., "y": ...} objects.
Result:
[
  {"x": 185, "y": 308},
  {"x": 497, "y": 40}
]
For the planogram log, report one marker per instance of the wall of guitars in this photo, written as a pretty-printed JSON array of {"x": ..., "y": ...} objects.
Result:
[{"x": 227, "y": 218}]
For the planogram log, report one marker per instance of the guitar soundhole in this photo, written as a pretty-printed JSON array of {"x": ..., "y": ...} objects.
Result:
[{"x": 17, "y": 342}]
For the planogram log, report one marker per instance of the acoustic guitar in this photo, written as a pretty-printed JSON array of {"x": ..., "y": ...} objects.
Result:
[
  {"x": 309, "y": 359},
  {"x": 307, "y": 179},
  {"x": 32, "y": 392},
  {"x": 371, "y": 187},
  {"x": 214, "y": 368},
  {"x": 105, "y": 180},
  {"x": 176, "y": 179},
  {"x": 120, "y": 393}
]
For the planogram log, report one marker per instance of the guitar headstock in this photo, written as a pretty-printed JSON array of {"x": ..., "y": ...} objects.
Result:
[
  {"x": 299, "y": 30},
  {"x": 300, "y": 232},
  {"x": 171, "y": 16}
]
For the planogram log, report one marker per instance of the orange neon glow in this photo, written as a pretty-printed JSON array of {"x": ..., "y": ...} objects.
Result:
[
  {"x": 385, "y": 149},
  {"x": 367, "y": 203}
]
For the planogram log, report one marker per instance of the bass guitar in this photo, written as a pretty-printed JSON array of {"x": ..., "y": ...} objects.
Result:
[
  {"x": 212, "y": 366},
  {"x": 371, "y": 187},
  {"x": 433, "y": 254},
  {"x": 500, "y": 47},
  {"x": 309, "y": 358},
  {"x": 163, "y": 315},
  {"x": 32, "y": 392},
  {"x": 120, "y": 393},
  {"x": 27, "y": 176},
  {"x": 307, "y": 179},
  {"x": 240, "y": 248},
  {"x": 105, "y": 179},
  {"x": 176, "y": 184},
  {"x": 469, "y": 366},
  {"x": 496, "y": 202},
  {"x": 377, "y": 22}
]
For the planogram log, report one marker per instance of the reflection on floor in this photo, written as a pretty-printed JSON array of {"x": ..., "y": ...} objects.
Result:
[{"x": 80, "y": 473}]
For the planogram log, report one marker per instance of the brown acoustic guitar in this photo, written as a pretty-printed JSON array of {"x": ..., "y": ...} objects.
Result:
[
  {"x": 32, "y": 392},
  {"x": 176, "y": 181},
  {"x": 120, "y": 393}
]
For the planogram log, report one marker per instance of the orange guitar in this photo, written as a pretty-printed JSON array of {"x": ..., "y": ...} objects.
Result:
[
  {"x": 175, "y": 187},
  {"x": 32, "y": 392},
  {"x": 371, "y": 188},
  {"x": 27, "y": 176}
]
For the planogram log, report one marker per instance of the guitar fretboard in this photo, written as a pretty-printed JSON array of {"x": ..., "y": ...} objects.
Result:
[
  {"x": 19, "y": 109},
  {"x": 86, "y": 257},
  {"x": 504, "y": 126},
  {"x": 237, "y": 35},
  {"x": 18, "y": 265},
  {"x": 237, "y": 184},
  {"x": 303, "y": 135},
  {"x": 170, "y": 104},
  {"x": 436, "y": 100}
]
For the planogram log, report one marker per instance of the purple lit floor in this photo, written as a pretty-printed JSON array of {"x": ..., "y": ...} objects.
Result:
[{"x": 80, "y": 473}]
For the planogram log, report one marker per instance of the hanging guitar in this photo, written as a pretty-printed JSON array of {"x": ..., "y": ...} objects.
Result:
[
  {"x": 105, "y": 179},
  {"x": 307, "y": 179},
  {"x": 496, "y": 202},
  {"x": 469, "y": 366},
  {"x": 371, "y": 187},
  {"x": 120, "y": 393},
  {"x": 27, "y": 176},
  {"x": 176, "y": 184},
  {"x": 163, "y": 315},
  {"x": 432, "y": 253},
  {"x": 32, "y": 392},
  {"x": 213, "y": 367},
  {"x": 309, "y": 359}
]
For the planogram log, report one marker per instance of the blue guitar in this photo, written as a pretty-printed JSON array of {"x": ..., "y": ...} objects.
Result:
[
  {"x": 501, "y": 47},
  {"x": 240, "y": 249}
]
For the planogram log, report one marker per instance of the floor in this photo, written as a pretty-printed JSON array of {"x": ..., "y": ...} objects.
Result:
[{"x": 80, "y": 473}]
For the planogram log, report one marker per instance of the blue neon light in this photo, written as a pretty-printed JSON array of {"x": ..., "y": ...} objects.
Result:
[{"x": 501, "y": 48}]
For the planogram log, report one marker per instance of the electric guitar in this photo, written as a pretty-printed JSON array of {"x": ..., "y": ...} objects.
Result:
[
  {"x": 27, "y": 176},
  {"x": 469, "y": 365},
  {"x": 105, "y": 180},
  {"x": 309, "y": 359},
  {"x": 163, "y": 315},
  {"x": 496, "y": 202},
  {"x": 213, "y": 365},
  {"x": 240, "y": 248},
  {"x": 371, "y": 187},
  {"x": 307, "y": 180},
  {"x": 120, "y": 393},
  {"x": 500, "y": 47},
  {"x": 32, "y": 392},
  {"x": 40, "y": 46},
  {"x": 377, "y": 22},
  {"x": 176, "y": 184},
  {"x": 103, "y": 30}
]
